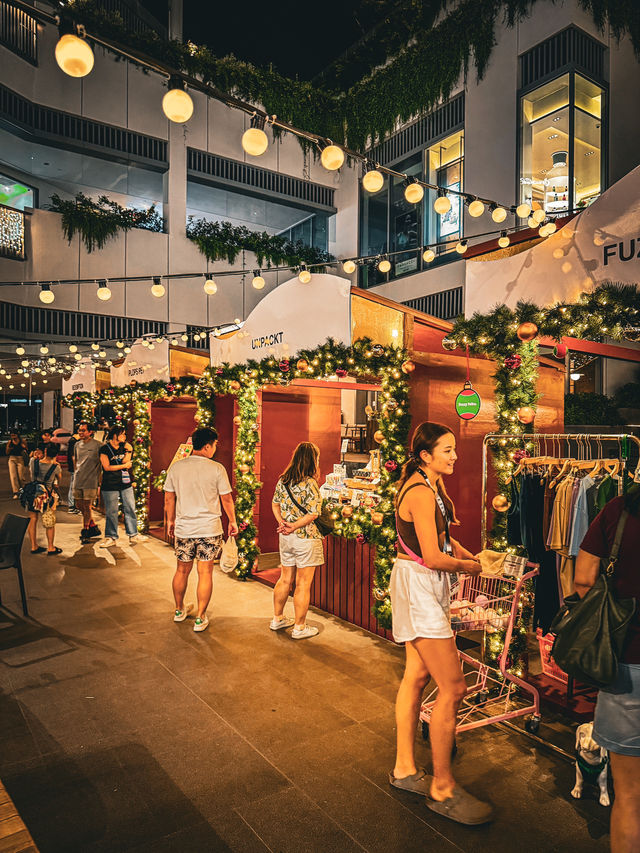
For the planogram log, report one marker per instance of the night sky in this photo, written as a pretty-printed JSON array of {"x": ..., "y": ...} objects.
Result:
[{"x": 298, "y": 38}]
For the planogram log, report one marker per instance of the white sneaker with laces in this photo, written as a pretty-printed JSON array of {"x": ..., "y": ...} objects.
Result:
[
  {"x": 137, "y": 537},
  {"x": 201, "y": 623},
  {"x": 304, "y": 632},
  {"x": 181, "y": 615},
  {"x": 107, "y": 543},
  {"x": 279, "y": 624}
]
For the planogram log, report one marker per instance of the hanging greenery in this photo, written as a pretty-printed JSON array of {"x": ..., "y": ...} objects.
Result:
[
  {"x": 223, "y": 241},
  {"x": 99, "y": 221},
  {"x": 406, "y": 68}
]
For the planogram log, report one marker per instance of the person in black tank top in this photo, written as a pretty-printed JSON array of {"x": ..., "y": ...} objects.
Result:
[{"x": 420, "y": 590}]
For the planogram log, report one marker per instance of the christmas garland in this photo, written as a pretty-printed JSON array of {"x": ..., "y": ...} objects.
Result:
[{"x": 363, "y": 360}]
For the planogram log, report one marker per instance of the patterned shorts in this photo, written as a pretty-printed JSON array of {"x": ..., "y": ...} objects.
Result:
[{"x": 201, "y": 548}]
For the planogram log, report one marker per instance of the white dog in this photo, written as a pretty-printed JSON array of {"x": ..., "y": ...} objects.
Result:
[{"x": 592, "y": 763}]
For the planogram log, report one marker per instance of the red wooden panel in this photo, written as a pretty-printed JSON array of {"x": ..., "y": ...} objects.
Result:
[{"x": 171, "y": 424}]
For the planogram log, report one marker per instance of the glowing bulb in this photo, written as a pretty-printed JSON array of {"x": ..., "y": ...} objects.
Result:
[
  {"x": 157, "y": 288},
  {"x": 255, "y": 141},
  {"x": 258, "y": 282},
  {"x": 332, "y": 157},
  {"x": 73, "y": 348},
  {"x": 413, "y": 193},
  {"x": 210, "y": 287},
  {"x": 44, "y": 349},
  {"x": 20, "y": 350},
  {"x": 523, "y": 210},
  {"x": 177, "y": 104},
  {"x": 74, "y": 56},
  {"x": 145, "y": 344},
  {"x": 373, "y": 181},
  {"x": 461, "y": 247},
  {"x": 503, "y": 240},
  {"x": 476, "y": 208},
  {"x": 349, "y": 267},
  {"x": 119, "y": 344},
  {"x": 46, "y": 295},
  {"x": 103, "y": 292},
  {"x": 498, "y": 214},
  {"x": 531, "y": 222},
  {"x": 51, "y": 360},
  {"x": 184, "y": 337},
  {"x": 102, "y": 354},
  {"x": 442, "y": 204},
  {"x": 174, "y": 342},
  {"x": 304, "y": 276},
  {"x": 551, "y": 227},
  {"x": 538, "y": 215},
  {"x": 384, "y": 265},
  {"x": 77, "y": 356},
  {"x": 428, "y": 256},
  {"x": 127, "y": 350},
  {"x": 95, "y": 347}
]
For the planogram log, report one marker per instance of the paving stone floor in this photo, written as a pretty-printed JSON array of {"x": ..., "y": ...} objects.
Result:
[{"x": 122, "y": 731}]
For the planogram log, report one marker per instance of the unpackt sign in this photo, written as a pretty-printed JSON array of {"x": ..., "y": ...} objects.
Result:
[
  {"x": 143, "y": 364},
  {"x": 292, "y": 317}
]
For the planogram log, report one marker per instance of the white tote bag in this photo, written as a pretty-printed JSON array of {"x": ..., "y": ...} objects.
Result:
[{"x": 229, "y": 555}]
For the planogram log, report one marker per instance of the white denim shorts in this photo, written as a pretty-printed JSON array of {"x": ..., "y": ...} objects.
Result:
[
  {"x": 420, "y": 602},
  {"x": 299, "y": 552}
]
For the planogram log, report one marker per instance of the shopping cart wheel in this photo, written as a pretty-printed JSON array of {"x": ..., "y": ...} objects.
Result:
[
  {"x": 480, "y": 697},
  {"x": 532, "y": 724},
  {"x": 425, "y": 730}
]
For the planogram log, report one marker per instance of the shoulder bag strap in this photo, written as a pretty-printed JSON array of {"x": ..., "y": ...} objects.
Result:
[
  {"x": 49, "y": 472},
  {"x": 410, "y": 553},
  {"x": 615, "y": 548},
  {"x": 295, "y": 502}
]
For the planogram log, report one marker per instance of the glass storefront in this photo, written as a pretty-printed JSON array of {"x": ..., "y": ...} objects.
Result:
[
  {"x": 561, "y": 140},
  {"x": 444, "y": 168}
]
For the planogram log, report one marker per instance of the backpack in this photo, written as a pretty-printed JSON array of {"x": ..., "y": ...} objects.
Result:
[{"x": 36, "y": 496}]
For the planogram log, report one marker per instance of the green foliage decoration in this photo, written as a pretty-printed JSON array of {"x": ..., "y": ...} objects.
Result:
[
  {"x": 589, "y": 408},
  {"x": 99, "y": 221}
]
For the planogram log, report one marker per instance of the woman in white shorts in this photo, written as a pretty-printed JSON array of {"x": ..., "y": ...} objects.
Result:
[
  {"x": 420, "y": 594},
  {"x": 296, "y": 505}
]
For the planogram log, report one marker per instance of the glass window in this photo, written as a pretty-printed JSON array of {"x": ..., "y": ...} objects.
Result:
[
  {"x": 561, "y": 140},
  {"x": 445, "y": 168},
  {"x": 405, "y": 224},
  {"x": 374, "y": 231},
  {"x": 14, "y": 193}
]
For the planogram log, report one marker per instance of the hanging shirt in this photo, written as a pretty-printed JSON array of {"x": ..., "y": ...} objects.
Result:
[
  {"x": 580, "y": 520},
  {"x": 514, "y": 536}
]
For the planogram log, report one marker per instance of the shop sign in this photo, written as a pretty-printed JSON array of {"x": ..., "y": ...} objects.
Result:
[
  {"x": 408, "y": 265},
  {"x": 142, "y": 364},
  {"x": 292, "y": 317},
  {"x": 82, "y": 379},
  {"x": 468, "y": 403}
]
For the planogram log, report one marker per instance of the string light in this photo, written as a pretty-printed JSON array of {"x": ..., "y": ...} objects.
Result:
[
  {"x": 73, "y": 54},
  {"x": 461, "y": 247},
  {"x": 157, "y": 288},
  {"x": 372, "y": 180},
  {"x": 304, "y": 275},
  {"x": 46, "y": 295},
  {"x": 503, "y": 240},
  {"x": 119, "y": 344},
  {"x": 384, "y": 265},
  {"x": 257, "y": 282},
  {"x": 210, "y": 287},
  {"x": 413, "y": 192},
  {"x": 103, "y": 291},
  {"x": 538, "y": 215},
  {"x": 177, "y": 104},
  {"x": 428, "y": 256},
  {"x": 523, "y": 210},
  {"x": 95, "y": 347},
  {"x": 476, "y": 207},
  {"x": 20, "y": 350},
  {"x": 349, "y": 267},
  {"x": 331, "y": 157},
  {"x": 254, "y": 140},
  {"x": 44, "y": 349},
  {"x": 498, "y": 213},
  {"x": 442, "y": 204}
]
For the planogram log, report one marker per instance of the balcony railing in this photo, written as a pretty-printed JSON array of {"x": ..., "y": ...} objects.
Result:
[
  {"x": 11, "y": 233},
  {"x": 19, "y": 32}
]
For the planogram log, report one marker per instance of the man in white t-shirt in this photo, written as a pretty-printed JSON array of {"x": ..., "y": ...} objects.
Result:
[{"x": 194, "y": 489}]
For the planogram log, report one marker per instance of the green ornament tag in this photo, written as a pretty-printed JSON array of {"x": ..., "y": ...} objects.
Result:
[{"x": 468, "y": 402}]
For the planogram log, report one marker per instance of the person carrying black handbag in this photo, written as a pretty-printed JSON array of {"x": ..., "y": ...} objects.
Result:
[{"x": 617, "y": 716}]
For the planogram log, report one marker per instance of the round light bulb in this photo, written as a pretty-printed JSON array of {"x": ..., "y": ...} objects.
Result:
[
  {"x": 104, "y": 293},
  {"x": 51, "y": 360},
  {"x": 74, "y": 56},
  {"x": 95, "y": 347},
  {"x": 551, "y": 227},
  {"x": 210, "y": 287},
  {"x": 102, "y": 354},
  {"x": 157, "y": 290},
  {"x": 258, "y": 282},
  {"x": 46, "y": 296},
  {"x": 255, "y": 141},
  {"x": 413, "y": 193},
  {"x": 44, "y": 349},
  {"x": 45, "y": 381},
  {"x": 384, "y": 265},
  {"x": 177, "y": 106},
  {"x": 373, "y": 181},
  {"x": 523, "y": 210},
  {"x": 20, "y": 350},
  {"x": 196, "y": 337},
  {"x": 538, "y": 215},
  {"x": 531, "y": 222},
  {"x": 119, "y": 344},
  {"x": 442, "y": 205},
  {"x": 304, "y": 276},
  {"x": 174, "y": 342},
  {"x": 77, "y": 356},
  {"x": 127, "y": 350},
  {"x": 24, "y": 363},
  {"x": 428, "y": 256},
  {"x": 349, "y": 267},
  {"x": 145, "y": 344},
  {"x": 332, "y": 157},
  {"x": 476, "y": 208},
  {"x": 73, "y": 348},
  {"x": 461, "y": 247},
  {"x": 499, "y": 214},
  {"x": 184, "y": 337},
  {"x": 503, "y": 241}
]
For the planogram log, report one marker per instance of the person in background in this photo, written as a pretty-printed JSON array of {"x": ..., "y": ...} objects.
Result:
[
  {"x": 194, "y": 489},
  {"x": 47, "y": 473},
  {"x": 617, "y": 717},
  {"x": 17, "y": 451},
  {"x": 46, "y": 437},
  {"x": 72, "y": 442},
  {"x": 115, "y": 457},
  {"x": 299, "y": 539},
  {"x": 86, "y": 480},
  {"x": 420, "y": 591}
]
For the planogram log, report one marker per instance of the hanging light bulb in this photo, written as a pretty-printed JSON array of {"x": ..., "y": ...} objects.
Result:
[
  {"x": 531, "y": 222},
  {"x": 332, "y": 157},
  {"x": 73, "y": 54},
  {"x": 551, "y": 227},
  {"x": 384, "y": 265},
  {"x": 461, "y": 247},
  {"x": 257, "y": 282},
  {"x": 51, "y": 360},
  {"x": 538, "y": 215},
  {"x": 503, "y": 240},
  {"x": 442, "y": 204},
  {"x": 46, "y": 295},
  {"x": 210, "y": 287},
  {"x": 95, "y": 347},
  {"x": 77, "y": 356},
  {"x": 304, "y": 275},
  {"x": 20, "y": 350},
  {"x": 184, "y": 337},
  {"x": 498, "y": 213},
  {"x": 145, "y": 343},
  {"x": 174, "y": 342},
  {"x": 119, "y": 344},
  {"x": 73, "y": 348},
  {"x": 157, "y": 288},
  {"x": 127, "y": 350},
  {"x": 349, "y": 267},
  {"x": 44, "y": 349},
  {"x": 523, "y": 210},
  {"x": 177, "y": 104},
  {"x": 103, "y": 291},
  {"x": 413, "y": 192},
  {"x": 102, "y": 354},
  {"x": 196, "y": 336},
  {"x": 24, "y": 363},
  {"x": 476, "y": 207},
  {"x": 255, "y": 140},
  {"x": 428, "y": 256},
  {"x": 372, "y": 180},
  {"x": 109, "y": 363}
]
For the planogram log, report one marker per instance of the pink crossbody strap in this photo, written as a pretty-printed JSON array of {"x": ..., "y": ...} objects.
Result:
[{"x": 410, "y": 553}]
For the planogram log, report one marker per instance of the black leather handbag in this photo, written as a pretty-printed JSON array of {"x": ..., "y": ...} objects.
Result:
[{"x": 590, "y": 631}]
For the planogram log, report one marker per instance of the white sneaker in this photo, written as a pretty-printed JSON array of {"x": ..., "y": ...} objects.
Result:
[
  {"x": 181, "y": 615},
  {"x": 137, "y": 537},
  {"x": 201, "y": 624},
  {"x": 107, "y": 543},
  {"x": 303, "y": 633},
  {"x": 279, "y": 624}
]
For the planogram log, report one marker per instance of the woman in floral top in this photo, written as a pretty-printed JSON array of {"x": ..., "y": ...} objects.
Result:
[{"x": 300, "y": 541}]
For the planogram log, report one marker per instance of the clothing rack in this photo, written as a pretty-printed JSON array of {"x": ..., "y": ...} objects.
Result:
[{"x": 584, "y": 441}]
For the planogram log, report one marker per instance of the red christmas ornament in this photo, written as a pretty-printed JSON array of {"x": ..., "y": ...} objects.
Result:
[
  {"x": 408, "y": 367},
  {"x": 527, "y": 331},
  {"x": 284, "y": 366},
  {"x": 341, "y": 373},
  {"x": 520, "y": 454},
  {"x": 243, "y": 525},
  {"x": 560, "y": 350},
  {"x": 361, "y": 538},
  {"x": 513, "y": 361},
  {"x": 391, "y": 465}
]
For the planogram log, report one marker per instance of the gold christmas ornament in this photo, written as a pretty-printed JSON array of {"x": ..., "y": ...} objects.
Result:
[
  {"x": 408, "y": 366},
  {"x": 527, "y": 331},
  {"x": 347, "y": 511},
  {"x": 237, "y": 420},
  {"x": 500, "y": 503},
  {"x": 377, "y": 518},
  {"x": 244, "y": 469},
  {"x": 449, "y": 344},
  {"x": 234, "y": 385},
  {"x": 368, "y": 501},
  {"x": 302, "y": 364},
  {"x": 378, "y": 436},
  {"x": 526, "y": 414},
  {"x": 379, "y": 594}
]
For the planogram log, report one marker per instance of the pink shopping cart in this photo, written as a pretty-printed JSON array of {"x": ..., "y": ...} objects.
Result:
[{"x": 489, "y": 603}]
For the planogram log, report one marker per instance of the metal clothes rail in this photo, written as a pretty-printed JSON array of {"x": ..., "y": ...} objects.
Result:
[{"x": 622, "y": 439}]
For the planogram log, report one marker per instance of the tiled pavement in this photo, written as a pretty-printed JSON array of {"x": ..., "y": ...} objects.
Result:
[{"x": 121, "y": 731}]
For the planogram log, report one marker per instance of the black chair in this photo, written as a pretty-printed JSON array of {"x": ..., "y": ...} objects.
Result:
[{"x": 12, "y": 535}]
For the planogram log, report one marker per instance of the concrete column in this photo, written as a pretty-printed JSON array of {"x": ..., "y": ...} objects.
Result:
[
  {"x": 175, "y": 19},
  {"x": 175, "y": 186}
]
